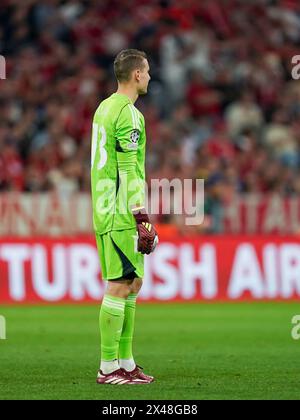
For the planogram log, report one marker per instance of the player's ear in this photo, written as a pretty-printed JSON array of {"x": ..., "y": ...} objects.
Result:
[{"x": 137, "y": 75}]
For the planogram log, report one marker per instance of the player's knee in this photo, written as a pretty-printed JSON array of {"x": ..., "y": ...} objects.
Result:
[
  {"x": 136, "y": 285},
  {"x": 120, "y": 289}
]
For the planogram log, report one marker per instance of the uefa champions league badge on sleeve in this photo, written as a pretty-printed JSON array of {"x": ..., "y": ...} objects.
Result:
[{"x": 134, "y": 138}]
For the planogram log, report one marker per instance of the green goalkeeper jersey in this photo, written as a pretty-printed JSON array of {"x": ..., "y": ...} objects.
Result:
[{"x": 118, "y": 163}]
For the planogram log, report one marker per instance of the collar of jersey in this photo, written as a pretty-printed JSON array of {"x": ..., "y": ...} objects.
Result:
[{"x": 124, "y": 96}]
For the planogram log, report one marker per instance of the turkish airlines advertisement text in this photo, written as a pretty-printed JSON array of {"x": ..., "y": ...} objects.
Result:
[{"x": 203, "y": 268}]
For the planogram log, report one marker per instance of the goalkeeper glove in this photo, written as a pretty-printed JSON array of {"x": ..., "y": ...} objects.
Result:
[{"x": 148, "y": 238}]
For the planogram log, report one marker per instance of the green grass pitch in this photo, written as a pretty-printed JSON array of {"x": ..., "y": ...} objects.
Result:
[{"x": 196, "y": 351}]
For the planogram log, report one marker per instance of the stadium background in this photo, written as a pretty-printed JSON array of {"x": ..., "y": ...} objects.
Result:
[{"x": 222, "y": 106}]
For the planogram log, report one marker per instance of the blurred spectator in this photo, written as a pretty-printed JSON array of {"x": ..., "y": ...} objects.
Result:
[
  {"x": 244, "y": 113},
  {"x": 221, "y": 104}
]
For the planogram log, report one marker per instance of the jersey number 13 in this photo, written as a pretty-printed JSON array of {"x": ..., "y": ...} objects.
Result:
[{"x": 101, "y": 133}]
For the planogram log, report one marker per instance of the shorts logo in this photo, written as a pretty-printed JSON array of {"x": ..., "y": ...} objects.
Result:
[{"x": 134, "y": 136}]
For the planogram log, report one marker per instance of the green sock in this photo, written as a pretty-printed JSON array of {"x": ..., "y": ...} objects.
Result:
[
  {"x": 125, "y": 349},
  {"x": 111, "y": 322}
]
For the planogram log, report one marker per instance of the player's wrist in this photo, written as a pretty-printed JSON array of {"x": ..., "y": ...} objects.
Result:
[{"x": 140, "y": 214}]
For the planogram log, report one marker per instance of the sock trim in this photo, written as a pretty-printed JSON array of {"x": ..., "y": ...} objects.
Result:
[
  {"x": 111, "y": 306},
  {"x": 132, "y": 298},
  {"x": 113, "y": 301},
  {"x": 110, "y": 303},
  {"x": 114, "y": 298}
]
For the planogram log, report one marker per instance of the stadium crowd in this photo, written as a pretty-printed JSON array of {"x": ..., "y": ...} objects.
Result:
[{"x": 222, "y": 104}]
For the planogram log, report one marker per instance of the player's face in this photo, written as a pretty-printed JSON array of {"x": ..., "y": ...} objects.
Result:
[{"x": 144, "y": 79}]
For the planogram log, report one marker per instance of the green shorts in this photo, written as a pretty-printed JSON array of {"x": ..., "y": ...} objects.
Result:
[{"x": 118, "y": 254}]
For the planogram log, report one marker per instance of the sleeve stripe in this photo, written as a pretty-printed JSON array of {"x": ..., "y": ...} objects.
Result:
[
  {"x": 135, "y": 117},
  {"x": 138, "y": 118},
  {"x": 134, "y": 123}
]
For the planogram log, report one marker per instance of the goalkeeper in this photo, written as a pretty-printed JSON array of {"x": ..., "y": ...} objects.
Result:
[{"x": 123, "y": 230}]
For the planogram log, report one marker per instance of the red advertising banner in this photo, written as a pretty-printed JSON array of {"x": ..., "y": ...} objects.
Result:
[
  {"x": 54, "y": 215},
  {"x": 202, "y": 268}
]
